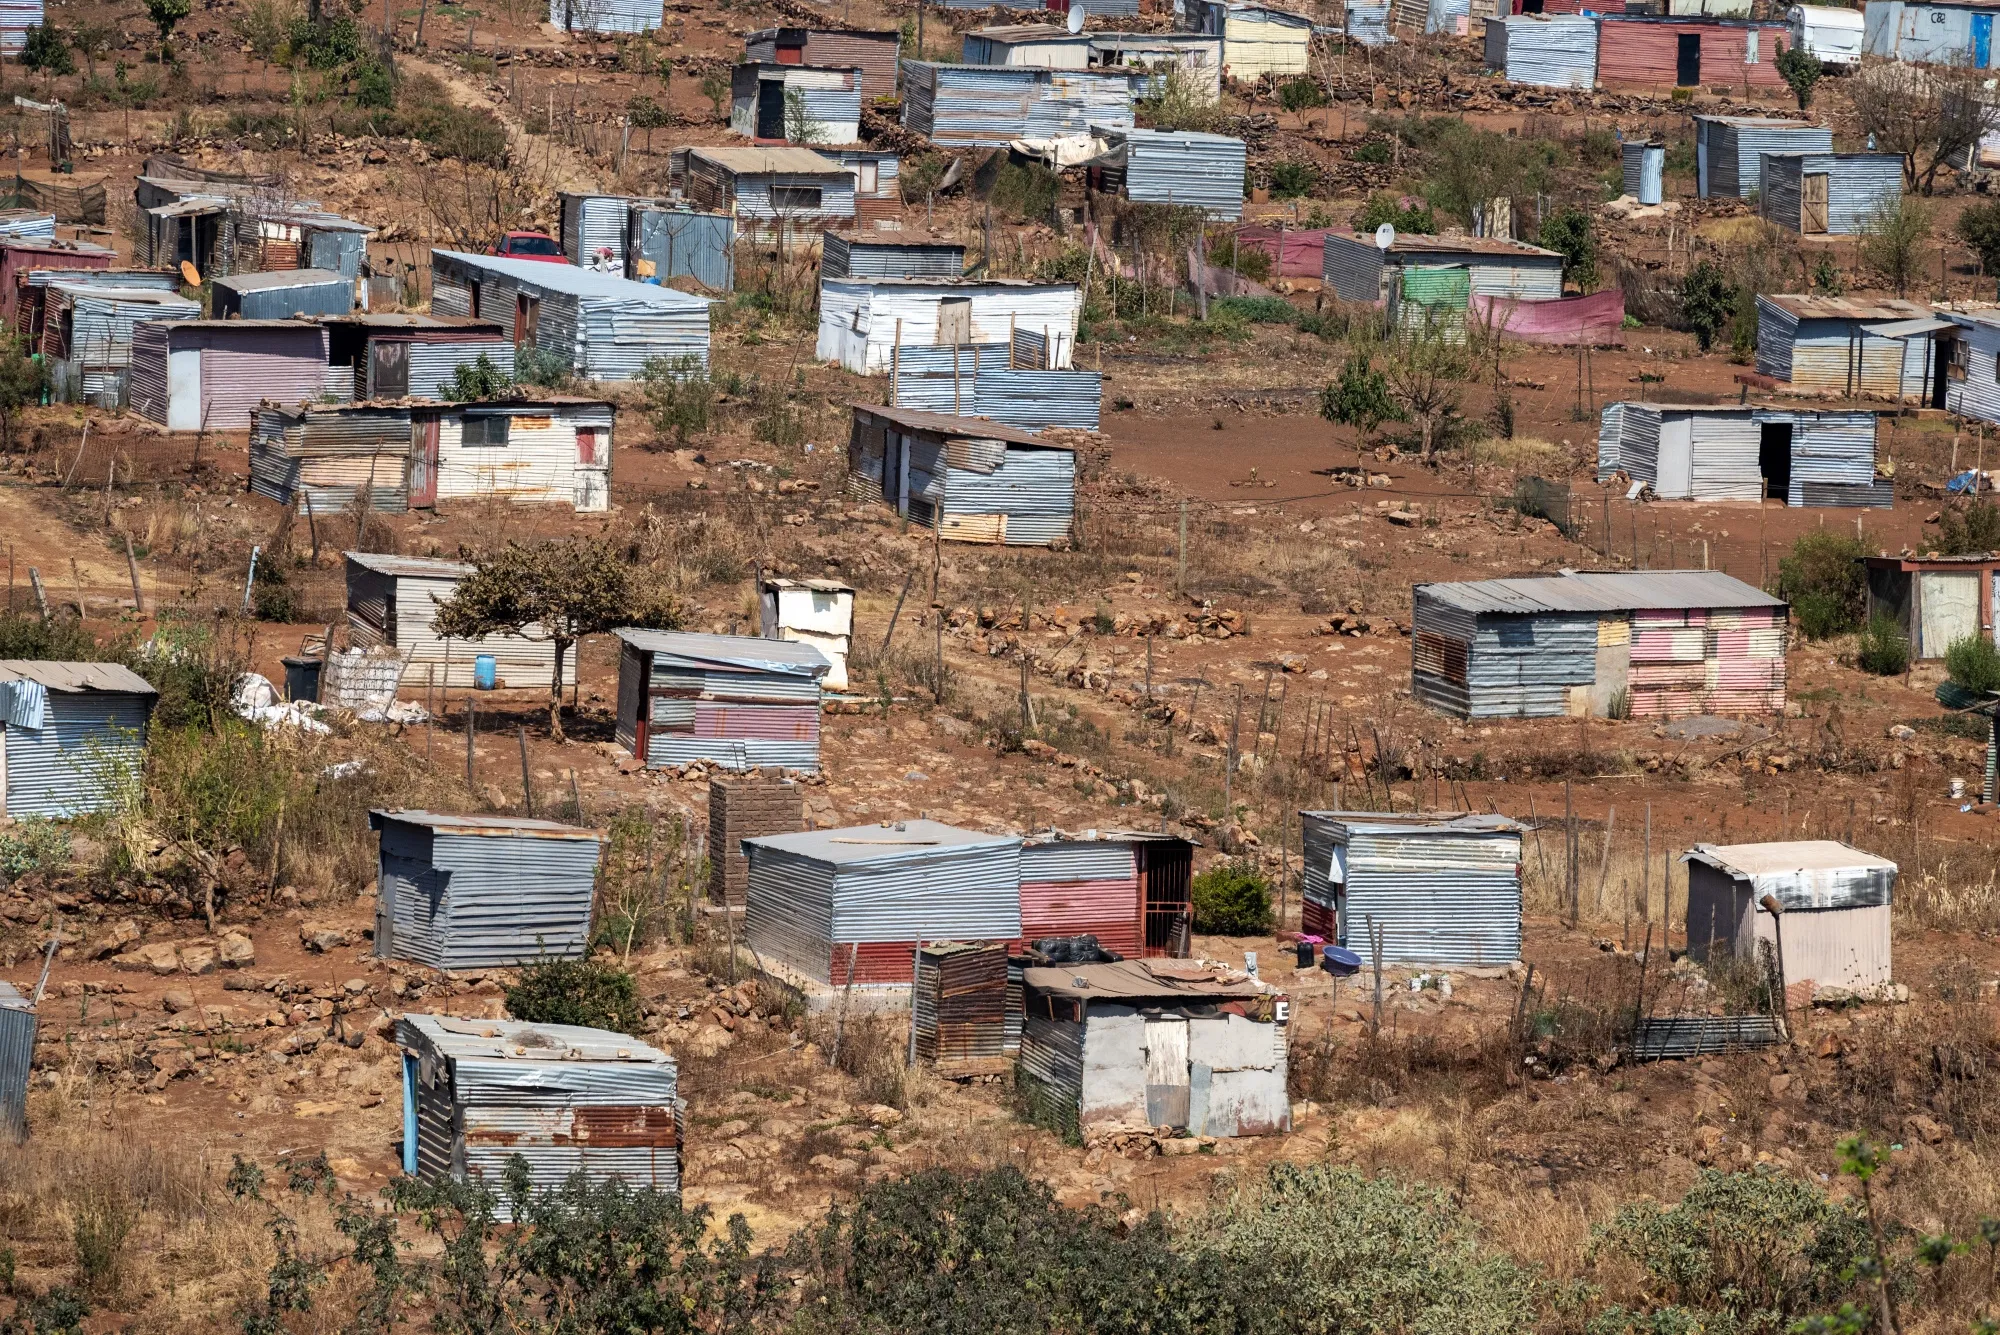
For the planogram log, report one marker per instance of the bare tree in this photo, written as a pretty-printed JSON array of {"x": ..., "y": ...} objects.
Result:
[
  {"x": 468, "y": 204},
  {"x": 1928, "y": 115}
]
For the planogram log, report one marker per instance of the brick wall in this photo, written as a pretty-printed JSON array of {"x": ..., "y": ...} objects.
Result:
[{"x": 746, "y": 807}]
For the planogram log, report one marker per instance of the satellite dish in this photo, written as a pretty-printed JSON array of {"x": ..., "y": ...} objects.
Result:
[
  {"x": 189, "y": 274},
  {"x": 1075, "y": 20},
  {"x": 1385, "y": 236}
]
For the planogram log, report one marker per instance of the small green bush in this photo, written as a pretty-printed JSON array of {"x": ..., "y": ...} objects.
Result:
[
  {"x": 1232, "y": 899},
  {"x": 680, "y": 398},
  {"x": 1300, "y": 94},
  {"x": 272, "y": 597},
  {"x": 1883, "y": 649},
  {"x": 1822, "y": 581},
  {"x": 1708, "y": 302},
  {"x": 1293, "y": 180},
  {"x": 472, "y": 382},
  {"x": 1026, "y": 192},
  {"x": 1974, "y": 663},
  {"x": 581, "y": 992},
  {"x": 1388, "y": 208},
  {"x": 1360, "y": 397},
  {"x": 1966, "y": 528},
  {"x": 544, "y": 367},
  {"x": 1256, "y": 310},
  {"x": 1372, "y": 150},
  {"x": 374, "y": 86},
  {"x": 33, "y": 843}
]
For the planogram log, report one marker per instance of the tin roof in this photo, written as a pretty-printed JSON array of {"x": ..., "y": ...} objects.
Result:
[
  {"x": 816, "y": 585},
  {"x": 76, "y": 677},
  {"x": 1382, "y": 822},
  {"x": 949, "y": 424},
  {"x": 483, "y": 825},
  {"x": 415, "y": 567},
  {"x": 407, "y": 320},
  {"x": 1008, "y": 33},
  {"x": 739, "y": 651},
  {"x": 576, "y": 281},
  {"x": 1602, "y": 591},
  {"x": 865, "y": 843},
  {"x": 53, "y": 246},
  {"x": 1408, "y": 243},
  {"x": 1778, "y": 858},
  {"x": 1760, "y": 122},
  {"x": 790, "y": 161},
  {"x": 515, "y": 1040},
  {"x": 885, "y": 34},
  {"x": 1133, "y": 980},
  {"x": 1847, "y": 308},
  {"x": 240, "y": 324},
  {"x": 1922, "y": 562},
  {"x": 274, "y": 280},
  {"x": 151, "y": 296}
]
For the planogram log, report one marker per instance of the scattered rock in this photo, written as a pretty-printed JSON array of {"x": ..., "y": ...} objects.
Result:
[
  {"x": 320, "y": 938},
  {"x": 1780, "y": 1085},
  {"x": 177, "y": 1001},
  {"x": 236, "y": 950},
  {"x": 1180, "y": 1145},
  {"x": 881, "y": 1114},
  {"x": 1902, "y": 732},
  {"x": 198, "y": 959},
  {"x": 1926, "y": 1129}
]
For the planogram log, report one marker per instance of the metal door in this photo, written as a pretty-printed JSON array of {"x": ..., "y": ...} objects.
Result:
[
  {"x": 1982, "y": 40},
  {"x": 791, "y": 55},
  {"x": 771, "y": 109},
  {"x": 424, "y": 462},
  {"x": 1674, "y": 475},
  {"x": 1948, "y": 609},
  {"x": 1167, "y": 1072},
  {"x": 389, "y": 369},
  {"x": 1812, "y": 203},
  {"x": 954, "y": 322},
  {"x": 1687, "y": 59}
]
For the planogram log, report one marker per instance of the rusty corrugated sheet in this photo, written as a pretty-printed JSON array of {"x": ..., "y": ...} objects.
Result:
[{"x": 1643, "y": 51}]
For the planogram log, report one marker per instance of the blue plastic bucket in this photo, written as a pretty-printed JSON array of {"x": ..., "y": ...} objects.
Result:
[{"x": 485, "y": 672}]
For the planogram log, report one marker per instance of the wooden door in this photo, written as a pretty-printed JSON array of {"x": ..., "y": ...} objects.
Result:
[
  {"x": 954, "y": 322},
  {"x": 1812, "y": 203},
  {"x": 424, "y": 462},
  {"x": 527, "y": 318}
]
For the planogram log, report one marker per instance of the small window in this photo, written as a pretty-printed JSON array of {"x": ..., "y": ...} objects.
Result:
[
  {"x": 868, "y": 178},
  {"x": 1750, "y": 47},
  {"x": 486, "y": 429},
  {"x": 795, "y": 198}
]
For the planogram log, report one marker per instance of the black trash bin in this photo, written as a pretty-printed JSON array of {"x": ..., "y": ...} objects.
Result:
[{"x": 302, "y": 679}]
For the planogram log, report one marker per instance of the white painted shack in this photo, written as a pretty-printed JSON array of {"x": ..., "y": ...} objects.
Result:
[
  {"x": 1143, "y": 1044},
  {"x": 819, "y": 612},
  {"x": 1832, "y": 910},
  {"x": 1256, "y": 39},
  {"x": 392, "y": 602},
  {"x": 1744, "y": 452},
  {"x": 864, "y": 321},
  {"x": 72, "y": 736}
]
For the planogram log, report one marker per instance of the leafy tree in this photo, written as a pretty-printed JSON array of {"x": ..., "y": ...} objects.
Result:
[
  {"x": 1979, "y": 227},
  {"x": 92, "y": 41},
  {"x": 1301, "y": 94},
  {"x": 1974, "y": 663},
  {"x": 680, "y": 397},
  {"x": 1360, "y": 397},
  {"x": 1966, "y": 528},
  {"x": 1293, "y": 180},
  {"x": 1387, "y": 207},
  {"x": 1822, "y": 580},
  {"x": 23, "y": 379},
  {"x": 1426, "y": 369},
  {"x": 715, "y": 88},
  {"x": 1569, "y": 232},
  {"x": 47, "y": 50},
  {"x": 473, "y": 382},
  {"x": 1708, "y": 302},
  {"x": 1404, "y": 1260},
  {"x": 373, "y": 85},
  {"x": 1468, "y": 169},
  {"x": 1800, "y": 69},
  {"x": 1895, "y": 238},
  {"x": 327, "y": 44},
  {"x": 1883, "y": 649},
  {"x": 581, "y": 992},
  {"x": 648, "y": 115},
  {"x": 801, "y": 126},
  {"x": 558, "y": 591},
  {"x": 166, "y": 16},
  {"x": 1231, "y": 899}
]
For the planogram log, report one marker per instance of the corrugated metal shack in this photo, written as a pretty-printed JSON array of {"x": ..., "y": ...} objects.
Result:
[
  {"x": 606, "y": 15},
  {"x": 1544, "y": 51},
  {"x": 604, "y": 326},
  {"x": 733, "y": 701},
  {"x": 17, "y": 258},
  {"x": 1129, "y": 889},
  {"x": 17, "y": 1060},
  {"x": 1154, "y": 1043},
  {"x": 670, "y": 243},
  {"x": 27, "y": 224},
  {"x": 1651, "y": 644},
  {"x": 16, "y": 17},
  {"x": 824, "y": 902},
  {"x": 818, "y": 612},
  {"x": 31, "y": 314},
  {"x": 875, "y": 54},
  {"x": 1824, "y": 343},
  {"x": 592, "y": 229},
  {"x": 1833, "y": 900},
  {"x": 960, "y": 1006},
  {"x": 842, "y": 257},
  {"x": 1933, "y": 33},
  {"x": 392, "y": 603},
  {"x": 72, "y": 736},
  {"x": 984, "y": 381},
  {"x": 1967, "y": 361},
  {"x": 1442, "y": 889},
  {"x": 878, "y": 190},
  {"x": 211, "y": 375},
  {"x": 1727, "y": 150},
  {"x": 993, "y": 105},
  {"x": 282, "y": 294},
  {"x": 787, "y": 196},
  {"x": 475, "y": 892},
  {"x": 401, "y": 355},
  {"x": 866, "y": 323},
  {"x": 1829, "y": 194},
  {"x": 1198, "y": 57},
  {"x": 1643, "y": 50},
  {"x": 776, "y": 104},
  {"x": 87, "y": 336},
  {"x": 1202, "y": 171},
  {"x": 1256, "y": 39},
  {"x": 1936, "y": 600},
  {"x": 973, "y": 480},
  {"x": 1355, "y": 269},
  {"x": 1744, "y": 452},
  {"x": 565, "y": 1098},
  {"x": 1368, "y": 22},
  {"x": 1043, "y": 46},
  {"x": 318, "y": 460}
]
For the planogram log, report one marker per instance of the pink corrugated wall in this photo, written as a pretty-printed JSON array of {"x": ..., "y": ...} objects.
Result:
[{"x": 770, "y": 723}]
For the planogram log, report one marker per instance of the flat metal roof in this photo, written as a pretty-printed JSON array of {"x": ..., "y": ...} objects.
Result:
[
  {"x": 1778, "y": 858},
  {"x": 465, "y": 1038},
  {"x": 72, "y": 678},
  {"x": 571, "y": 279},
  {"x": 1409, "y": 243},
  {"x": 1009, "y": 33},
  {"x": 1757, "y": 122},
  {"x": 1846, "y": 308},
  {"x": 483, "y": 825},
  {"x": 1606, "y": 591},
  {"x": 276, "y": 279},
  {"x": 416, "y": 567},
  {"x": 751, "y": 652},
  {"x": 1383, "y": 822},
  {"x": 789, "y": 161},
  {"x": 865, "y": 843},
  {"x": 1135, "y": 980},
  {"x": 951, "y": 424}
]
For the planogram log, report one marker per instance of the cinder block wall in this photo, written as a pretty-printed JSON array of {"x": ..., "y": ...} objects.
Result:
[{"x": 746, "y": 806}]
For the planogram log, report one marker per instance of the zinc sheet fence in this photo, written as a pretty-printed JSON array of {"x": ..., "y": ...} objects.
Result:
[{"x": 17, "y": 1059}]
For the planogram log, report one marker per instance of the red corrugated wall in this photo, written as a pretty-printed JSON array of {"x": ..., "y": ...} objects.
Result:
[
  {"x": 880, "y": 961},
  {"x": 1645, "y": 53},
  {"x": 1107, "y": 910},
  {"x": 1317, "y": 920}
]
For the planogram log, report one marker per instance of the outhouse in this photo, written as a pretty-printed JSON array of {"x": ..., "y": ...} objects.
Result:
[
  {"x": 1830, "y": 194},
  {"x": 72, "y": 736},
  {"x": 1935, "y": 600},
  {"x": 1832, "y": 915},
  {"x": 818, "y": 612},
  {"x": 1441, "y": 889}
]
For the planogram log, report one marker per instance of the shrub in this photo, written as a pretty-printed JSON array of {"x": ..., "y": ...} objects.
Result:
[
  {"x": 1966, "y": 528},
  {"x": 1293, "y": 180},
  {"x": 62, "y": 638},
  {"x": 1300, "y": 94},
  {"x": 329, "y": 43},
  {"x": 272, "y": 597},
  {"x": 1026, "y": 191},
  {"x": 580, "y": 992},
  {"x": 1800, "y": 69},
  {"x": 1974, "y": 663},
  {"x": 374, "y": 86},
  {"x": 1376, "y": 151},
  {"x": 1708, "y": 302},
  {"x": 1822, "y": 581},
  {"x": 33, "y": 843},
  {"x": 1883, "y": 649},
  {"x": 544, "y": 367},
  {"x": 680, "y": 397},
  {"x": 1256, "y": 310},
  {"x": 1232, "y": 899},
  {"x": 1360, "y": 397},
  {"x": 1184, "y": 103},
  {"x": 1568, "y": 231},
  {"x": 1979, "y": 227},
  {"x": 473, "y": 381},
  {"x": 1893, "y": 240},
  {"x": 1389, "y": 208}
]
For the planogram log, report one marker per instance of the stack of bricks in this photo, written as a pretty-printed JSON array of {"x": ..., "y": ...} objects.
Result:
[{"x": 746, "y": 806}]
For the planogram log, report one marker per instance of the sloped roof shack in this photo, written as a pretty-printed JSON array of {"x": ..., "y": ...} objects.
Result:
[
  {"x": 199, "y": 375},
  {"x": 17, "y": 257},
  {"x": 1647, "y": 51},
  {"x": 1832, "y": 924},
  {"x": 971, "y": 479},
  {"x": 874, "y": 53},
  {"x": 993, "y": 105},
  {"x": 735, "y": 701},
  {"x": 1729, "y": 149},
  {"x": 392, "y": 601},
  {"x": 1936, "y": 600},
  {"x": 1744, "y": 452},
  {"x": 565, "y": 1098},
  {"x": 1444, "y": 890},
  {"x": 72, "y": 736},
  {"x": 283, "y": 293},
  {"x": 1826, "y": 343},
  {"x": 1829, "y": 194}
]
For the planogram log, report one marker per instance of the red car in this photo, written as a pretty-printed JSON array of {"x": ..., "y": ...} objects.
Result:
[{"x": 529, "y": 246}]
